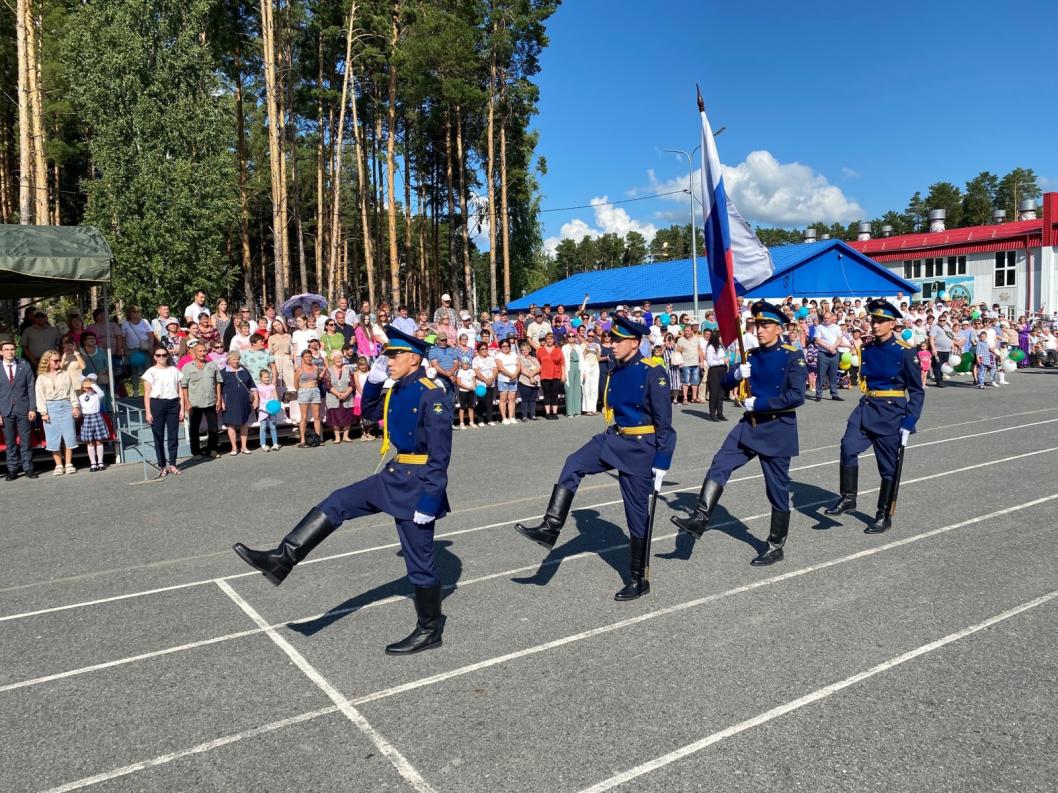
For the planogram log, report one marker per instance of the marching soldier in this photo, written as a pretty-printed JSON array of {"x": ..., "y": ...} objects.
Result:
[
  {"x": 640, "y": 445},
  {"x": 777, "y": 375},
  {"x": 884, "y": 418},
  {"x": 411, "y": 487}
]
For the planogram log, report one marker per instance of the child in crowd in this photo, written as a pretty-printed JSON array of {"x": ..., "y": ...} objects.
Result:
[
  {"x": 266, "y": 422},
  {"x": 93, "y": 428},
  {"x": 925, "y": 360},
  {"x": 363, "y": 368},
  {"x": 465, "y": 378},
  {"x": 985, "y": 361}
]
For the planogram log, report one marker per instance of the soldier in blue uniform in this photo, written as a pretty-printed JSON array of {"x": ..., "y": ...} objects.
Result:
[
  {"x": 885, "y": 417},
  {"x": 777, "y": 375},
  {"x": 639, "y": 445},
  {"x": 411, "y": 487}
]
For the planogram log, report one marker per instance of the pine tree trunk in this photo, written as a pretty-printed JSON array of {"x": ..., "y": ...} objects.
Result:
[
  {"x": 244, "y": 196},
  {"x": 505, "y": 222},
  {"x": 56, "y": 210},
  {"x": 6, "y": 175},
  {"x": 336, "y": 165},
  {"x": 410, "y": 299},
  {"x": 468, "y": 272},
  {"x": 276, "y": 158},
  {"x": 490, "y": 173},
  {"x": 377, "y": 198},
  {"x": 361, "y": 183},
  {"x": 453, "y": 267},
  {"x": 42, "y": 209},
  {"x": 321, "y": 210},
  {"x": 391, "y": 117},
  {"x": 25, "y": 124}
]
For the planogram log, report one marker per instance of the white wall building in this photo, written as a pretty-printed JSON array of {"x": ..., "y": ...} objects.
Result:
[{"x": 1014, "y": 264}]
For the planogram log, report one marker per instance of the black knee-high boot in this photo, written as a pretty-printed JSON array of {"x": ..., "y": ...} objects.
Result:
[
  {"x": 429, "y": 624},
  {"x": 275, "y": 565},
  {"x": 546, "y": 532},
  {"x": 848, "y": 484},
  {"x": 638, "y": 567},
  {"x": 882, "y": 520},
  {"x": 780, "y": 528},
  {"x": 697, "y": 522}
]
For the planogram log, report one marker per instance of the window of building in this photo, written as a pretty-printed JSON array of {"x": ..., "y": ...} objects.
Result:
[
  {"x": 916, "y": 268},
  {"x": 956, "y": 265},
  {"x": 907, "y": 268},
  {"x": 1006, "y": 272}
]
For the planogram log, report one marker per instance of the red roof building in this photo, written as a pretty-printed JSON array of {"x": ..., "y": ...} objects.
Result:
[{"x": 1014, "y": 264}]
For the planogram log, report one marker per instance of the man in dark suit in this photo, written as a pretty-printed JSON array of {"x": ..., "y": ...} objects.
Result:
[{"x": 18, "y": 409}]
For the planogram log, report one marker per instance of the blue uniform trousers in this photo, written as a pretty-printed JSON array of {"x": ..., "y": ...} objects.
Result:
[
  {"x": 857, "y": 439},
  {"x": 732, "y": 455},
  {"x": 635, "y": 489},
  {"x": 359, "y": 499}
]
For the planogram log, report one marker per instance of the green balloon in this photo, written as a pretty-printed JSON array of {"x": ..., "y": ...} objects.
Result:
[
  {"x": 967, "y": 362},
  {"x": 1017, "y": 355},
  {"x": 975, "y": 315}
]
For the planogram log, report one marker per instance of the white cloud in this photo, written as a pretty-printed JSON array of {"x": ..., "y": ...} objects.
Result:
[
  {"x": 772, "y": 193},
  {"x": 849, "y": 173},
  {"x": 608, "y": 219}
]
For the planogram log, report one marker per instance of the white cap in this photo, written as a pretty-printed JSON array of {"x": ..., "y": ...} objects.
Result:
[
  {"x": 621, "y": 308},
  {"x": 445, "y": 297},
  {"x": 464, "y": 315}
]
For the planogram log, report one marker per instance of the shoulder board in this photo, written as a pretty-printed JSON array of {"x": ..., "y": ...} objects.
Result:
[
  {"x": 903, "y": 344},
  {"x": 752, "y": 352},
  {"x": 648, "y": 362},
  {"x": 426, "y": 381},
  {"x": 790, "y": 347}
]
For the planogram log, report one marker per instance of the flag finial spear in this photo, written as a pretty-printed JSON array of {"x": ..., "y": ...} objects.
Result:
[{"x": 701, "y": 102}]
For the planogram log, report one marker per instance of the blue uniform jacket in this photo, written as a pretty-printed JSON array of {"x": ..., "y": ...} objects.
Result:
[
  {"x": 419, "y": 421},
  {"x": 777, "y": 381},
  {"x": 638, "y": 394},
  {"x": 890, "y": 365}
]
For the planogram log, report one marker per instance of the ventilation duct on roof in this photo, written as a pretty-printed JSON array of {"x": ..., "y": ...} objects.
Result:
[
  {"x": 863, "y": 232},
  {"x": 936, "y": 219},
  {"x": 1027, "y": 209}
]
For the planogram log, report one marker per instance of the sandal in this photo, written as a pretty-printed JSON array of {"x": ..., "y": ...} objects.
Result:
[
  {"x": 303, "y": 446},
  {"x": 174, "y": 470},
  {"x": 164, "y": 472},
  {"x": 233, "y": 453}
]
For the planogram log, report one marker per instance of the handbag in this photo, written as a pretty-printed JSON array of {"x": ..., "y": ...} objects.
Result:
[{"x": 676, "y": 358}]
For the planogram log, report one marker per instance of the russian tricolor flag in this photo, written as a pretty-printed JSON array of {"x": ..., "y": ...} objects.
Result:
[{"x": 738, "y": 261}]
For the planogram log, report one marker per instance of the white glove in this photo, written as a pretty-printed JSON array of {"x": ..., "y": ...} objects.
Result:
[
  {"x": 390, "y": 382},
  {"x": 431, "y": 373},
  {"x": 744, "y": 371},
  {"x": 422, "y": 519},
  {"x": 904, "y": 435},
  {"x": 748, "y": 403},
  {"x": 659, "y": 475},
  {"x": 379, "y": 370}
]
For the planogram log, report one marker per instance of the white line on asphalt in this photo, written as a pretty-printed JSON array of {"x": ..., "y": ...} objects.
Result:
[
  {"x": 651, "y": 615},
  {"x": 389, "y": 692},
  {"x": 808, "y": 699},
  {"x": 399, "y": 761},
  {"x": 465, "y": 583},
  {"x": 391, "y": 546},
  {"x": 199, "y": 749}
]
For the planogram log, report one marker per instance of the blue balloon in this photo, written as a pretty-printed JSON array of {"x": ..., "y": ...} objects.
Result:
[
  {"x": 943, "y": 295},
  {"x": 138, "y": 359},
  {"x": 802, "y": 312},
  {"x": 273, "y": 406},
  {"x": 480, "y": 390},
  {"x": 907, "y": 334},
  {"x": 576, "y": 322}
]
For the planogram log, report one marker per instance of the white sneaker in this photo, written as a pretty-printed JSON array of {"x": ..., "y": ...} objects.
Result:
[
  {"x": 492, "y": 423},
  {"x": 71, "y": 470},
  {"x": 266, "y": 449},
  {"x": 459, "y": 427},
  {"x": 59, "y": 471},
  {"x": 275, "y": 448}
]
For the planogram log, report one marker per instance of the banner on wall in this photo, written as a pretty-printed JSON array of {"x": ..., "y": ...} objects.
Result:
[{"x": 960, "y": 288}]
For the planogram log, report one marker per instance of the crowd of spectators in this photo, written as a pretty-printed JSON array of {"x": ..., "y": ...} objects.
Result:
[{"x": 214, "y": 367}]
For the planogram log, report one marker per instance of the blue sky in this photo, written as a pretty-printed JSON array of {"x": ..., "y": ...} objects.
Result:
[{"x": 850, "y": 108}]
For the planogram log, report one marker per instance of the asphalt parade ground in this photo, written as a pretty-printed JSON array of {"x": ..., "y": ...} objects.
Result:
[{"x": 137, "y": 652}]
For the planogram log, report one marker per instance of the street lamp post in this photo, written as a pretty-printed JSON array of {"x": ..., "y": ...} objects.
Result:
[{"x": 694, "y": 245}]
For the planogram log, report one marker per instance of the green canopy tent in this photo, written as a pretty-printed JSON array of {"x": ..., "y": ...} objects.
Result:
[{"x": 46, "y": 261}]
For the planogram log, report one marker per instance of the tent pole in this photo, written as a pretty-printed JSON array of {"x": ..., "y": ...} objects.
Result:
[{"x": 110, "y": 375}]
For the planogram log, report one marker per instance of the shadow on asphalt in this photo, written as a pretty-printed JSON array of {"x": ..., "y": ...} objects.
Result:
[
  {"x": 449, "y": 568},
  {"x": 725, "y": 522},
  {"x": 593, "y": 534}
]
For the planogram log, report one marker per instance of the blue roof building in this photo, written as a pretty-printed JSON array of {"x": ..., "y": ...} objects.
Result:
[{"x": 829, "y": 268}]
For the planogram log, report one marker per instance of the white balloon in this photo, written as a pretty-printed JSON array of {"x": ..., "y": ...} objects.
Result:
[
  {"x": 1009, "y": 366},
  {"x": 855, "y": 360},
  {"x": 947, "y": 368},
  {"x": 954, "y": 360}
]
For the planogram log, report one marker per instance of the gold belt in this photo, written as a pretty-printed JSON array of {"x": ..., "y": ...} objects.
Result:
[
  {"x": 646, "y": 429},
  {"x": 886, "y": 393},
  {"x": 411, "y": 459}
]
